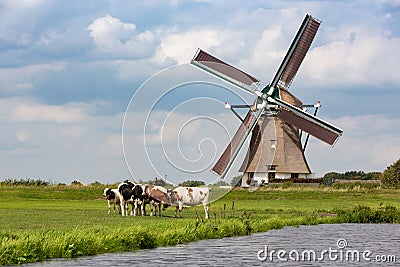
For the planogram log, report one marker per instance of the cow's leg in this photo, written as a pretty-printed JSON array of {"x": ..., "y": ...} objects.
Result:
[
  {"x": 119, "y": 208},
  {"x": 122, "y": 205},
  {"x": 176, "y": 211},
  {"x": 151, "y": 207},
  {"x": 126, "y": 208},
  {"x": 109, "y": 206},
  {"x": 180, "y": 210},
  {"x": 142, "y": 208},
  {"x": 206, "y": 209},
  {"x": 135, "y": 207},
  {"x": 159, "y": 209},
  {"x": 156, "y": 204}
]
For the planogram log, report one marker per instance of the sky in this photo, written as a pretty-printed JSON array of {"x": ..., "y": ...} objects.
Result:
[{"x": 102, "y": 91}]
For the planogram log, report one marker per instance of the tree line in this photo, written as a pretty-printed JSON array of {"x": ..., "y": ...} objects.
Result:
[{"x": 389, "y": 178}]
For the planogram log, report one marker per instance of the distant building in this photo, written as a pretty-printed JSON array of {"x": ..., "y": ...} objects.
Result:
[{"x": 159, "y": 182}]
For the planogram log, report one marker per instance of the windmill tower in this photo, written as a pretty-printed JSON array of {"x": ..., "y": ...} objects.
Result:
[{"x": 276, "y": 119}]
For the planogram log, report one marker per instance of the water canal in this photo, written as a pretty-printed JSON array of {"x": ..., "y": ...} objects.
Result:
[{"x": 321, "y": 245}]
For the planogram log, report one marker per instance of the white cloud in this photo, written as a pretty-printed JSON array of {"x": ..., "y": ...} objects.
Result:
[
  {"x": 23, "y": 3},
  {"x": 114, "y": 37},
  {"x": 61, "y": 142},
  {"x": 181, "y": 46},
  {"x": 22, "y": 135},
  {"x": 369, "y": 143},
  {"x": 366, "y": 58},
  {"x": 25, "y": 111},
  {"x": 20, "y": 79}
]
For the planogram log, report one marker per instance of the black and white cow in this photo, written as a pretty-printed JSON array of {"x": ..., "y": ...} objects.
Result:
[
  {"x": 131, "y": 194},
  {"x": 157, "y": 196},
  {"x": 113, "y": 198},
  {"x": 190, "y": 196}
]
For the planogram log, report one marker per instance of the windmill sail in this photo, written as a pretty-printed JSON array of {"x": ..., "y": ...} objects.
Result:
[
  {"x": 311, "y": 124},
  {"x": 296, "y": 53},
  {"x": 228, "y": 157},
  {"x": 224, "y": 71}
]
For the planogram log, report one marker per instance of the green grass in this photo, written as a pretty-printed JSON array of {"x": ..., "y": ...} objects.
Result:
[{"x": 43, "y": 222}]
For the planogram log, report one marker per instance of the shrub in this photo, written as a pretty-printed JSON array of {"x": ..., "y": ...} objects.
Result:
[
  {"x": 76, "y": 183},
  {"x": 365, "y": 214},
  {"x": 391, "y": 176},
  {"x": 192, "y": 183},
  {"x": 25, "y": 182}
]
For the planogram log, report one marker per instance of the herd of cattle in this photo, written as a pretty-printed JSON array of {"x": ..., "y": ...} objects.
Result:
[{"x": 138, "y": 195}]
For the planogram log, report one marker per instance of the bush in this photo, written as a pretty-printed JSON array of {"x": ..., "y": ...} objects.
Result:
[
  {"x": 192, "y": 183},
  {"x": 221, "y": 183},
  {"x": 365, "y": 214},
  {"x": 391, "y": 176},
  {"x": 24, "y": 182},
  {"x": 76, "y": 183}
]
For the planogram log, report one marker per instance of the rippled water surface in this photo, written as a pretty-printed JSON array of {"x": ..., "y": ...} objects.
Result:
[{"x": 321, "y": 245}]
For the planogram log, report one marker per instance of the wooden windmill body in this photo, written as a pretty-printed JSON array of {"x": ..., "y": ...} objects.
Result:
[
  {"x": 275, "y": 120},
  {"x": 275, "y": 150}
]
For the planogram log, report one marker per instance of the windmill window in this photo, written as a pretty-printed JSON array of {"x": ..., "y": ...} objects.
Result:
[
  {"x": 272, "y": 167},
  {"x": 271, "y": 175},
  {"x": 273, "y": 144},
  {"x": 294, "y": 175}
]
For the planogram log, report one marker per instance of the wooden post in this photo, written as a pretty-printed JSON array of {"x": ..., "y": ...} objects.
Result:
[
  {"x": 224, "y": 206},
  {"x": 233, "y": 204}
]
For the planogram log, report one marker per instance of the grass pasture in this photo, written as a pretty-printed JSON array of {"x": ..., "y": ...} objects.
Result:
[{"x": 43, "y": 222}]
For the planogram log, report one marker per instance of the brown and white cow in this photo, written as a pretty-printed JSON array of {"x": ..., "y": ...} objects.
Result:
[
  {"x": 190, "y": 196},
  {"x": 157, "y": 195}
]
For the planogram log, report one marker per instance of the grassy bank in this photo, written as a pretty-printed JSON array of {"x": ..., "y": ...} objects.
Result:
[{"x": 44, "y": 222}]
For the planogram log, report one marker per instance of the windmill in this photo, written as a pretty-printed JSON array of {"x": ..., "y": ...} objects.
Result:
[{"x": 276, "y": 119}]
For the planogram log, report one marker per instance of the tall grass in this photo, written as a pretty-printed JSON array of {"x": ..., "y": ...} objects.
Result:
[{"x": 40, "y": 245}]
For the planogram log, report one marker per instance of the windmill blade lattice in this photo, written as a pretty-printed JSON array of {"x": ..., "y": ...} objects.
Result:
[
  {"x": 311, "y": 124},
  {"x": 296, "y": 53},
  {"x": 225, "y": 71},
  {"x": 228, "y": 156}
]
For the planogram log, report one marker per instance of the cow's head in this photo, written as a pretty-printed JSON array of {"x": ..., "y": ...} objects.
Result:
[
  {"x": 108, "y": 193},
  {"x": 105, "y": 191},
  {"x": 173, "y": 196}
]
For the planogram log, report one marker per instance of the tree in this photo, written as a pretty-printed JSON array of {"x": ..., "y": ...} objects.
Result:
[
  {"x": 191, "y": 183},
  {"x": 76, "y": 183},
  {"x": 236, "y": 181},
  {"x": 391, "y": 176},
  {"x": 221, "y": 183},
  {"x": 330, "y": 178}
]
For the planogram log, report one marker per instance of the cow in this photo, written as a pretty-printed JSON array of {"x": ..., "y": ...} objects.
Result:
[
  {"x": 113, "y": 197},
  {"x": 131, "y": 194},
  {"x": 157, "y": 195},
  {"x": 190, "y": 196}
]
